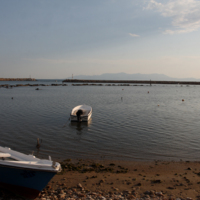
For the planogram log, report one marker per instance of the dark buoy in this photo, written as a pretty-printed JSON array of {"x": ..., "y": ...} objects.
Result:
[
  {"x": 12, "y": 98},
  {"x": 37, "y": 89}
]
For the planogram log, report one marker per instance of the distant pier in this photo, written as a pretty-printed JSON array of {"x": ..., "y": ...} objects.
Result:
[
  {"x": 17, "y": 79},
  {"x": 133, "y": 81}
]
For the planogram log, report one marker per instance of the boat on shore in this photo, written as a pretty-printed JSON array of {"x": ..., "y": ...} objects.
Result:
[
  {"x": 24, "y": 174},
  {"x": 81, "y": 113}
]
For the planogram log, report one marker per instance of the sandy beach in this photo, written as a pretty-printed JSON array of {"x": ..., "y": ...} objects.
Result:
[{"x": 89, "y": 179}]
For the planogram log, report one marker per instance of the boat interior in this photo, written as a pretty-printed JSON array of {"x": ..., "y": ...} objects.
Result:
[
  {"x": 85, "y": 112},
  {"x": 7, "y": 157}
]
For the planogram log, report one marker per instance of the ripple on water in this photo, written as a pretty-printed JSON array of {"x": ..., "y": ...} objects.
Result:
[{"x": 132, "y": 127}]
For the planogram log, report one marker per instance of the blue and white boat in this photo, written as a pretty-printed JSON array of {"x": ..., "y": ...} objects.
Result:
[{"x": 23, "y": 174}]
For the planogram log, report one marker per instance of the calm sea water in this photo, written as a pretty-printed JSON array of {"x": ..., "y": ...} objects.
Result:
[{"x": 126, "y": 124}]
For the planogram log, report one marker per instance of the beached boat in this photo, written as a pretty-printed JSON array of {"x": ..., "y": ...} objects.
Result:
[
  {"x": 81, "y": 113},
  {"x": 23, "y": 174}
]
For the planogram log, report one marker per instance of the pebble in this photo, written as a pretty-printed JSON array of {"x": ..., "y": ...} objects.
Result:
[
  {"x": 76, "y": 193},
  {"x": 79, "y": 185},
  {"x": 159, "y": 193}
]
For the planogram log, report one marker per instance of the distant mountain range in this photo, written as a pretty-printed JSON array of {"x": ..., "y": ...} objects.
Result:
[{"x": 124, "y": 76}]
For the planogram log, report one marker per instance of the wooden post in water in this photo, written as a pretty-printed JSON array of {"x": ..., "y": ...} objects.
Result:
[{"x": 38, "y": 143}]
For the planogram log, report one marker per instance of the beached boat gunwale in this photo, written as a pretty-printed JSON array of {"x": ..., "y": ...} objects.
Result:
[
  {"x": 86, "y": 113},
  {"x": 23, "y": 174}
]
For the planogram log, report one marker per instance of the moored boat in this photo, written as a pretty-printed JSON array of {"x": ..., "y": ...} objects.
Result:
[
  {"x": 81, "y": 113},
  {"x": 24, "y": 174}
]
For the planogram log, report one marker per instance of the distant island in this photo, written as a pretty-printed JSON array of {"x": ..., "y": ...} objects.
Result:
[
  {"x": 124, "y": 76},
  {"x": 17, "y": 79}
]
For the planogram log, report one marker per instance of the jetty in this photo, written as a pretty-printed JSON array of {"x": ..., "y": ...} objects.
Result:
[
  {"x": 134, "y": 81},
  {"x": 17, "y": 79}
]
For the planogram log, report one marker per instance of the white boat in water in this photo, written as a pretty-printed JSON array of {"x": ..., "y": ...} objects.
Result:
[
  {"x": 24, "y": 174},
  {"x": 81, "y": 113}
]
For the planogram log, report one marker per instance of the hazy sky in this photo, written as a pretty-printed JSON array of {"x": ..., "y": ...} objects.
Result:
[{"x": 55, "y": 39}]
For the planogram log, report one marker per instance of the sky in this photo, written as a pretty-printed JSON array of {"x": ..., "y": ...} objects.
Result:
[{"x": 57, "y": 38}]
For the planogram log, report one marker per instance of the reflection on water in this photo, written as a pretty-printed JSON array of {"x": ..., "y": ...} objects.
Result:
[{"x": 80, "y": 126}]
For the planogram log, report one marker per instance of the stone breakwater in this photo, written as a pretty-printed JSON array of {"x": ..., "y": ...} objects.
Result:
[
  {"x": 17, "y": 79},
  {"x": 73, "y": 84},
  {"x": 30, "y": 85},
  {"x": 133, "y": 81},
  {"x": 84, "y": 84}
]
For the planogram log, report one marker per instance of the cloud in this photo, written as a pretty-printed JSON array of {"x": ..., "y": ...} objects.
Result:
[
  {"x": 134, "y": 35},
  {"x": 185, "y": 14}
]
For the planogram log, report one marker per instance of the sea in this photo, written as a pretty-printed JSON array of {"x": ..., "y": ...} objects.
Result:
[{"x": 141, "y": 123}]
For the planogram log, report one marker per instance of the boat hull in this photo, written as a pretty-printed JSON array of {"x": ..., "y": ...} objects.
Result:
[
  {"x": 73, "y": 118},
  {"x": 24, "y": 182}
]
